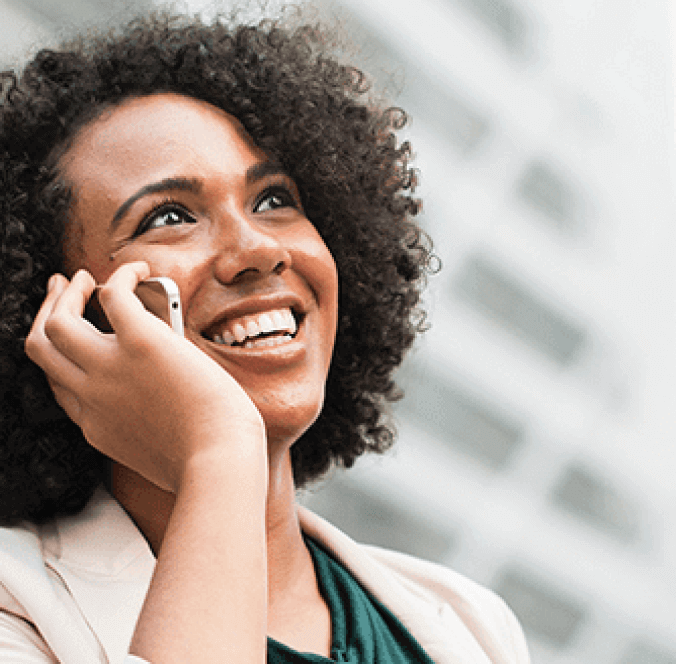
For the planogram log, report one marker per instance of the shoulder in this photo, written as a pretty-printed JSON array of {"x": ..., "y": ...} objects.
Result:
[
  {"x": 65, "y": 578},
  {"x": 477, "y": 606},
  {"x": 454, "y": 618},
  {"x": 37, "y": 615},
  {"x": 432, "y": 579}
]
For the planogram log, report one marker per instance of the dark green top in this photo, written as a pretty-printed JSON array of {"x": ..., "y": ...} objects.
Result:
[{"x": 363, "y": 630}]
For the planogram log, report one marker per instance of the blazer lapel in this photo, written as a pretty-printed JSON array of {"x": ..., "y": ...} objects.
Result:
[
  {"x": 106, "y": 565},
  {"x": 438, "y": 628},
  {"x": 39, "y": 595}
]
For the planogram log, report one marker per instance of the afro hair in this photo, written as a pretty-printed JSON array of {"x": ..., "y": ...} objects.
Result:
[{"x": 302, "y": 107}]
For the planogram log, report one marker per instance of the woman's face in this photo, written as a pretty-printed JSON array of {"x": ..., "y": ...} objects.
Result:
[{"x": 177, "y": 183}]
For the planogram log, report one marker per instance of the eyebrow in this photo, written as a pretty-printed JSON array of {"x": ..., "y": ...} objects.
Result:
[
  {"x": 168, "y": 184},
  {"x": 256, "y": 172},
  {"x": 262, "y": 169}
]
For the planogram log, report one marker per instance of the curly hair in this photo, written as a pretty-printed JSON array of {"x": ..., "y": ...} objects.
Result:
[{"x": 301, "y": 106}]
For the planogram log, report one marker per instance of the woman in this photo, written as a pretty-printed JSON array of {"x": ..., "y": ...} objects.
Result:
[{"x": 147, "y": 483}]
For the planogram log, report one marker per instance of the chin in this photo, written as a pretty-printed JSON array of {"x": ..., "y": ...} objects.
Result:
[{"x": 284, "y": 431}]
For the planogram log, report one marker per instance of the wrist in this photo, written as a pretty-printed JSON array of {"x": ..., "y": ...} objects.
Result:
[{"x": 232, "y": 466}]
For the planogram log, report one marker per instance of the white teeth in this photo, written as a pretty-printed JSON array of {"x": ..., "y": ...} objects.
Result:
[
  {"x": 291, "y": 321},
  {"x": 267, "y": 341},
  {"x": 239, "y": 332},
  {"x": 265, "y": 323},
  {"x": 252, "y": 329},
  {"x": 251, "y": 326},
  {"x": 278, "y": 319},
  {"x": 227, "y": 339}
]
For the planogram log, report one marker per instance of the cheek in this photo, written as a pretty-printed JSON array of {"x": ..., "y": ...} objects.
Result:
[
  {"x": 330, "y": 284},
  {"x": 320, "y": 267},
  {"x": 81, "y": 252},
  {"x": 325, "y": 277},
  {"x": 184, "y": 267}
]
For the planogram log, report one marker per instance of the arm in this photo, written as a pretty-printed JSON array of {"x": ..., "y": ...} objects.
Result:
[
  {"x": 207, "y": 599},
  {"x": 155, "y": 403}
]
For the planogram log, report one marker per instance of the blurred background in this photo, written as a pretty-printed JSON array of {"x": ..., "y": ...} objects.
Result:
[{"x": 536, "y": 450}]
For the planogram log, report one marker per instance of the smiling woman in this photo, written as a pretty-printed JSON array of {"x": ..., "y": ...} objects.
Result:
[
  {"x": 147, "y": 483},
  {"x": 176, "y": 183}
]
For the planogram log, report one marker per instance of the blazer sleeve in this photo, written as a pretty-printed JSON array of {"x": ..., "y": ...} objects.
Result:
[{"x": 21, "y": 643}]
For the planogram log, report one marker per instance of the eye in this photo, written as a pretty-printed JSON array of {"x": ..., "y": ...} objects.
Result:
[
  {"x": 274, "y": 198},
  {"x": 165, "y": 214}
]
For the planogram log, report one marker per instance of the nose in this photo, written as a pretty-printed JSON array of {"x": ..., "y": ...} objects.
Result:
[{"x": 246, "y": 250}]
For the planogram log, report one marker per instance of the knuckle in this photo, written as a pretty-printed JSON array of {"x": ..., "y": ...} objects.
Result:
[
  {"x": 140, "y": 346},
  {"x": 55, "y": 326},
  {"x": 136, "y": 266},
  {"x": 83, "y": 275},
  {"x": 32, "y": 345},
  {"x": 106, "y": 294}
]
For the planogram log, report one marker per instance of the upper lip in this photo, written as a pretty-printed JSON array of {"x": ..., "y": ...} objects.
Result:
[{"x": 255, "y": 305}]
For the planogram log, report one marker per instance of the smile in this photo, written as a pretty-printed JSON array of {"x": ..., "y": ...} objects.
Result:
[{"x": 259, "y": 330}]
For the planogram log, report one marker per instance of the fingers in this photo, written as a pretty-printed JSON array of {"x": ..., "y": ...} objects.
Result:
[
  {"x": 60, "y": 340},
  {"x": 75, "y": 295},
  {"x": 64, "y": 327},
  {"x": 40, "y": 348},
  {"x": 127, "y": 315}
]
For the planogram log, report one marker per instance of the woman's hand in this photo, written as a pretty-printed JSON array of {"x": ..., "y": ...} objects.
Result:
[
  {"x": 143, "y": 396},
  {"x": 155, "y": 403}
]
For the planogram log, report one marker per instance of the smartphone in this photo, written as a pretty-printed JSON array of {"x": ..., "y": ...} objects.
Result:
[{"x": 159, "y": 295}]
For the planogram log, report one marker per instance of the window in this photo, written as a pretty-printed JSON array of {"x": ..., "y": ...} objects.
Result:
[
  {"x": 526, "y": 314},
  {"x": 504, "y": 19},
  {"x": 375, "y": 521},
  {"x": 642, "y": 652},
  {"x": 429, "y": 100},
  {"x": 543, "y": 610},
  {"x": 463, "y": 420},
  {"x": 446, "y": 114},
  {"x": 542, "y": 188},
  {"x": 582, "y": 492}
]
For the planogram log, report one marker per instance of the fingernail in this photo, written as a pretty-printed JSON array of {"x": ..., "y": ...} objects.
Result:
[{"x": 51, "y": 283}]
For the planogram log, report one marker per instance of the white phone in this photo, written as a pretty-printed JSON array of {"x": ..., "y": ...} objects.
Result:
[{"x": 159, "y": 295}]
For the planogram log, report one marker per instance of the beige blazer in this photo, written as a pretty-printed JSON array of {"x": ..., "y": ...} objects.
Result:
[{"x": 71, "y": 592}]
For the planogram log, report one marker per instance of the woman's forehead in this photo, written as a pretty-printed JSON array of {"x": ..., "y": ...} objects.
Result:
[
  {"x": 151, "y": 136},
  {"x": 164, "y": 119}
]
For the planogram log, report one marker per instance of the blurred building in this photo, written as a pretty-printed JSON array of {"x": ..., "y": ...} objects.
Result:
[{"x": 536, "y": 449}]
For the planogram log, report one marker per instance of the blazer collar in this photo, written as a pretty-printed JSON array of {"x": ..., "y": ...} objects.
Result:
[
  {"x": 428, "y": 617},
  {"x": 106, "y": 564}
]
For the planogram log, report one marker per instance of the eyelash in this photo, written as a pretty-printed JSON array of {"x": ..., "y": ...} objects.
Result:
[
  {"x": 165, "y": 207},
  {"x": 168, "y": 205},
  {"x": 282, "y": 192}
]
